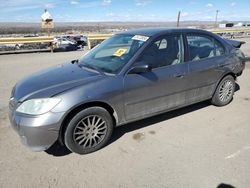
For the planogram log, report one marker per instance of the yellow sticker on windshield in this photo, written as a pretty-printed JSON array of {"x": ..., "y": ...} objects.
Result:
[{"x": 120, "y": 52}]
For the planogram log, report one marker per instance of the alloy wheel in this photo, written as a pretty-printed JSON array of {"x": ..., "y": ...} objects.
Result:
[
  {"x": 90, "y": 131},
  {"x": 226, "y": 90}
]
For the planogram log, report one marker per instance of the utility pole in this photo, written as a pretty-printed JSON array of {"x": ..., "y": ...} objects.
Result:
[
  {"x": 178, "y": 19},
  {"x": 216, "y": 18}
]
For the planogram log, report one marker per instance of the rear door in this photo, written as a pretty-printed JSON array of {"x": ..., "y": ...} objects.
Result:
[{"x": 205, "y": 56}]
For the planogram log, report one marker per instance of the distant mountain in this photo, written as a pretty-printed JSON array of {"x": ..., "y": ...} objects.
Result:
[{"x": 12, "y": 28}]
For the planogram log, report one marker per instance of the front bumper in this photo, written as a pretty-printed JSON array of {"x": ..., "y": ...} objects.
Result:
[{"x": 37, "y": 132}]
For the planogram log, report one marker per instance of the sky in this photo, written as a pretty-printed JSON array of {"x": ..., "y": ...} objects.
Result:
[{"x": 124, "y": 10}]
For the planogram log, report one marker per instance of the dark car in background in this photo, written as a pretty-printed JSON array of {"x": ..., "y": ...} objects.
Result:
[
  {"x": 80, "y": 40},
  {"x": 69, "y": 43},
  {"x": 128, "y": 77},
  {"x": 62, "y": 44}
]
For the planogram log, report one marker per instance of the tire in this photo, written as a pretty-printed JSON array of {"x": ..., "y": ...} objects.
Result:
[
  {"x": 224, "y": 91},
  {"x": 89, "y": 130}
]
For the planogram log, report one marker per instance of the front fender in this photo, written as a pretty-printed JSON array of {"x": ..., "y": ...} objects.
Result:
[{"x": 108, "y": 91}]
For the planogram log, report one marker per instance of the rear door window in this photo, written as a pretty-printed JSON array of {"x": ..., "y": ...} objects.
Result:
[{"x": 203, "y": 47}]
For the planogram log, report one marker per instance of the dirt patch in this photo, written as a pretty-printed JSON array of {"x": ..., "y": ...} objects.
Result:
[
  {"x": 151, "y": 132},
  {"x": 246, "y": 98},
  {"x": 138, "y": 136}
]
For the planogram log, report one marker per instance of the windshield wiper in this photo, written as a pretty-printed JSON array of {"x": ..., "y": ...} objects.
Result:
[{"x": 92, "y": 67}]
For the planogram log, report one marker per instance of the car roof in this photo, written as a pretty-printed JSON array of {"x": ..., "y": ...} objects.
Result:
[{"x": 160, "y": 30}]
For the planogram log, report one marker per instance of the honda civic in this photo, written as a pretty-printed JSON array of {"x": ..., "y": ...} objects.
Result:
[{"x": 130, "y": 76}]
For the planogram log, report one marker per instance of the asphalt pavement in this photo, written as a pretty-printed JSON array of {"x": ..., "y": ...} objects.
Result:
[{"x": 200, "y": 146}]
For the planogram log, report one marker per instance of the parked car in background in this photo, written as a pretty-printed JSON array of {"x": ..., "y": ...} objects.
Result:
[
  {"x": 64, "y": 44},
  {"x": 81, "y": 40},
  {"x": 10, "y": 47},
  {"x": 128, "y": 77}
]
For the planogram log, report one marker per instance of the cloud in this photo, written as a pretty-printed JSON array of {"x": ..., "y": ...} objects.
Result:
[
  {"x": 209, "y": 5},
  {"x": 184, "y": 14},
  {"x": 232, "y": 4},
  {"x": 49, "y": 5},
  {"x": 74, "y": 2},
  {"x": 91, "y": 4},
  {"x": 12, "y": 6},
  {"x": 192, "y": 2},
  {"x": 110, "y": 14},
  {"x": 142, "y": 2},
  {"x": 19, "y": 8},
  {"x": 106, "y": 2}
]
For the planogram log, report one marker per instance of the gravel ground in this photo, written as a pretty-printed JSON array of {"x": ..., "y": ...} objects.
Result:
[{"x": 197, "y": 146}]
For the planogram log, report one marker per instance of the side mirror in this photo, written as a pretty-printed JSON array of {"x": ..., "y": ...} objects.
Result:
[{"x": 140, "y": 69}]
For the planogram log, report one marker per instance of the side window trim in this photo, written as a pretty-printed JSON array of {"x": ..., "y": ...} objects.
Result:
[
  {"x": 182, "y": 48},
  {"x": 185, "y": 48}
]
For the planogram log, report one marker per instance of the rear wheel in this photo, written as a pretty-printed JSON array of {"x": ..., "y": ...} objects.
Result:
[
  {"x": 224, "y": 91},
  {"x": 89, "y": 130}
]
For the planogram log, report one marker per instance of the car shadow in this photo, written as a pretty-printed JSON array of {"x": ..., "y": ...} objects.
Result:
[
  {"x": 223, "y": 185},
  {"x": 122, "y": 130},
  {"x": 57, "y": 149},
  {"x": 237, "y": 87}
]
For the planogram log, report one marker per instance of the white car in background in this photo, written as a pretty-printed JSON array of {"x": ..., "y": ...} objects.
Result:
[{"x": 63, "y": 41}]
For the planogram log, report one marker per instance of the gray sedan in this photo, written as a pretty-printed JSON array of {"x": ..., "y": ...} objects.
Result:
[{"x": 130, "y": 76}]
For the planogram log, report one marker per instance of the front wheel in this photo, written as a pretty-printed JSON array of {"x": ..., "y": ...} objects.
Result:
[
  {"x": 89, "y": 130},
  {"x": 224, "y": 91}
]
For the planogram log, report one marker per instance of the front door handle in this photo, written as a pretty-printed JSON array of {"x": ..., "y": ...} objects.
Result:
[{"x": 179, "y": 76}]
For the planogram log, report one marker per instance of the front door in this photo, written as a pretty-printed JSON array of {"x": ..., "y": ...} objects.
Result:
[{"x": 162, "y": 88}]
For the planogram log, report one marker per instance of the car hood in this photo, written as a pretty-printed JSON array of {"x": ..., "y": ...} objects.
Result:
[{"x": 53, "y": 81}]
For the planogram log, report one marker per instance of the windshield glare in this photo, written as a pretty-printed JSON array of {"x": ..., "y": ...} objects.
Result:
[{"x": 112, "y": 54}]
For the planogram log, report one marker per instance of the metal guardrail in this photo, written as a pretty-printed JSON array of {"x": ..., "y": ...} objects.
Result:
[
  {"x": 29, "y": 40},
  {"x": 26, "y": 40},
  {"x": 105, "y": 36},
  {"x": 230, "y": 30},
  {"x": 92, "y": 37}
]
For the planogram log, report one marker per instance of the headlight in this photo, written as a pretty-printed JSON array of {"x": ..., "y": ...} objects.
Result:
[{"x": 38, "y": 106}]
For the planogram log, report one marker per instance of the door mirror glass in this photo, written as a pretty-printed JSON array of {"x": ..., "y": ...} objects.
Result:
[{"x": 140, "y": 69}]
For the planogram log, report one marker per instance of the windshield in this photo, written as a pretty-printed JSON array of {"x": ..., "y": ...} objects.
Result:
[{"x": 112, "y": 54}]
